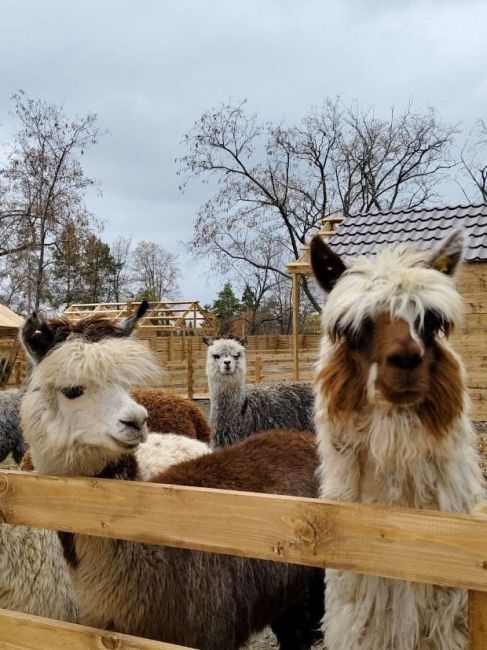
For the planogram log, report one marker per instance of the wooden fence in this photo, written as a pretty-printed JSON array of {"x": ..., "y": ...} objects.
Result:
[{"x": 423, "y": 546}]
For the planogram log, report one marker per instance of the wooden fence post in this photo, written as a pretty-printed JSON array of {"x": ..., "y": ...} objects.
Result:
[
  {"x": 169, "y": 347},
  {"x": 258, "y": 369},
  {"x": 477, "y": 620},
  {"x": 190, "y": 370}
]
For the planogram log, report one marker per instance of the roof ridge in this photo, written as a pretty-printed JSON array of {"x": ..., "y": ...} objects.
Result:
[{"x": 419, "y": 209}]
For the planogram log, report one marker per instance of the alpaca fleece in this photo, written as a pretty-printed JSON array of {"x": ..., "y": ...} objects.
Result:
[
  {"x": 33, "y": 575},
  {"x": 373, "y": 450},
  {"x": 169, "y": 413},
  {"x": 237, "y": 410},
  {"x": 11, "y": 440}
]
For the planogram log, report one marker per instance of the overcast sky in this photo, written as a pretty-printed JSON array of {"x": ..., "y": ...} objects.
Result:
[{"x": 150, "y": 68}]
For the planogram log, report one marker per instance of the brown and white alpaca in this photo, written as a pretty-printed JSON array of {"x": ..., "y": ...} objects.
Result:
[
  {"x": 393, "y": 428},
  {"x": 78, "y": 417}
]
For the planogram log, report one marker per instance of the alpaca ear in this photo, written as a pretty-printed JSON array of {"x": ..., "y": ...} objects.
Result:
[
  {"x": 242, "y": 341},
  {"x": 327, "y": 266},
  {"x": 130, "y": 323},
  {"x": 37, "y": 337},
  {"x": 207, "y": 340},
  {"x": 449, "y": 255}
]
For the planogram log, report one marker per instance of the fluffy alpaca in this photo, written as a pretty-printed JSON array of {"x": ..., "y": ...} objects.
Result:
[
  {"x": 33, "y": 575},
  {"x": 391, "y": 416},
  {"x": 169, "y": 413},
  {"x": 78, "y": 418},
  {"x": 237, "y": 410},
  {"x": 11, "y": 440}
]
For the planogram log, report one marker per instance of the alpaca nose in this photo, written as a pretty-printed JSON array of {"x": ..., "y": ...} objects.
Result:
[
  {"x": 405, "y": 360},
  {"x": 227, "y": 363},
  {"x": 135, "y": 419}
]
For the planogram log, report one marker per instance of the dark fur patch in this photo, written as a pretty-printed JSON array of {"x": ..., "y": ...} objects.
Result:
[
  {"x": 123, "y": 469},
  {"x": 69, "y": 549},
  {"x": 244, "y": 406}
]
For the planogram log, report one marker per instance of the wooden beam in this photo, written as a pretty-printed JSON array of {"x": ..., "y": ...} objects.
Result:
[
  {"x": 295, "y": 296},
  {"x": 441, "y": 548},
  {"x": 24, "y": 631}
]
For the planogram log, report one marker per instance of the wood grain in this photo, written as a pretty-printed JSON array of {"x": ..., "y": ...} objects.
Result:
[
  {"x": 440, "y": 548},
  {"x": 24, "y": 631}
]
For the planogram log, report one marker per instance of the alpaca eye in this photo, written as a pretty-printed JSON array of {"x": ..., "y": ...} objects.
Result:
[
  {"x": 73, "y": 391},
  {"x": 433, "y": 323},
  {"x": 236, "y": 356},
  {"x": 216, "y": 356}
]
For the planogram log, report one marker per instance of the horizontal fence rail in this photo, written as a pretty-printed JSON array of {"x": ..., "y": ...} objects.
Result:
[
  {"x": 24, "y": 631},
  {"x": 424, "y": 546}
]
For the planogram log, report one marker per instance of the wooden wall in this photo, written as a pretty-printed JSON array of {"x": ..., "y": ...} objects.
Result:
[{"x": 471, "y": 341}]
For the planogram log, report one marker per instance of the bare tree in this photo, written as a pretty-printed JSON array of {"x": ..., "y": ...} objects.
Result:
[
  {"x": 155, "y": 271},
  {"x": 474, "y": 162},
  {"x": 122, "y": 278},
  {"x": 285, "y": 180},
  {"x": 44, "y": 182}
]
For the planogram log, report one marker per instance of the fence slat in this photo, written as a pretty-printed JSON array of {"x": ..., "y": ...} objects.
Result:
[
  {"x": 27, "y": 632},
  {"x": 477, "y": 620},
  {"x": 424, "y": 546}
]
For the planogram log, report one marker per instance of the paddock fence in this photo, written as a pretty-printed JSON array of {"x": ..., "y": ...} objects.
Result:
[{"x": 423, "y": 546}]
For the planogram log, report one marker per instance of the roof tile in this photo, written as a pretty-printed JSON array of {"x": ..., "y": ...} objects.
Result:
[{"x": 363, "y": 234}]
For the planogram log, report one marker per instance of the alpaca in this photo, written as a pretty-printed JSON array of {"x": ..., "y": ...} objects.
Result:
[
  {"x": 391, "y": 417},
  {"x": 11, "y": 440},
  {"x": 237, "y": 410},
  {"x": 169, "y": 413},
  {"x": 79, "y": 419}
]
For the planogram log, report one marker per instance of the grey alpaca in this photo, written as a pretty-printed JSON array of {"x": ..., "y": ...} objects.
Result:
[
  {"x": 11, "y": 439},
  {"x": 237, "y": 410}
]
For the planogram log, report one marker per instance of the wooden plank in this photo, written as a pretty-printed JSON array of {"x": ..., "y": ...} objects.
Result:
[
  {"x": 440, "y": 548},
  {"x": 24, "y": 631},
  {"x": 477, "y": 620}
]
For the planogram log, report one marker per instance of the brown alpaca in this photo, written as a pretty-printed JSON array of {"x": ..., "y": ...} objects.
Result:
[{"x": 169, "y": 413}]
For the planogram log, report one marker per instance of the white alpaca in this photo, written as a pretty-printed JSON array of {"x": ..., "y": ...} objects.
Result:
[
  {"x": 237, "y": 410},
  {"x": 79, "y": 419},
  {"x": 391, "y": 415}
]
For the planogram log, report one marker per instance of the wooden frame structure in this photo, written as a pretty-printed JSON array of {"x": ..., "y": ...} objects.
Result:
[
  {"x": 10, "y": 322},
  {"x": 442, "y": 548},
  {"x": 302, "y": 266},
  {"x": 168, "y": 316}
]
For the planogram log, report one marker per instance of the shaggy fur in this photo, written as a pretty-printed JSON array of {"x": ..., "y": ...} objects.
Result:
[
  {"x": 11, "y": 440},
  {"x": 169, "y": 413},
  {"x": 33, "y": 575},
  {"x": 237, "y": 410},
  {"x": 197, "y": 599},
  {"x": 393, "y": 429}
]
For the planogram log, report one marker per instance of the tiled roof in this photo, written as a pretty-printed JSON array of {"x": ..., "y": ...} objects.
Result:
[{"x": 364, "y": 234}]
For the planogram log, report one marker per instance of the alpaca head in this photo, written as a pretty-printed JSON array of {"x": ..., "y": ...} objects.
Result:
[
  {"x": 385, "y": 316},
  {"x": 77, "y": 413},
  {"x": 225, "y": 361}
]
